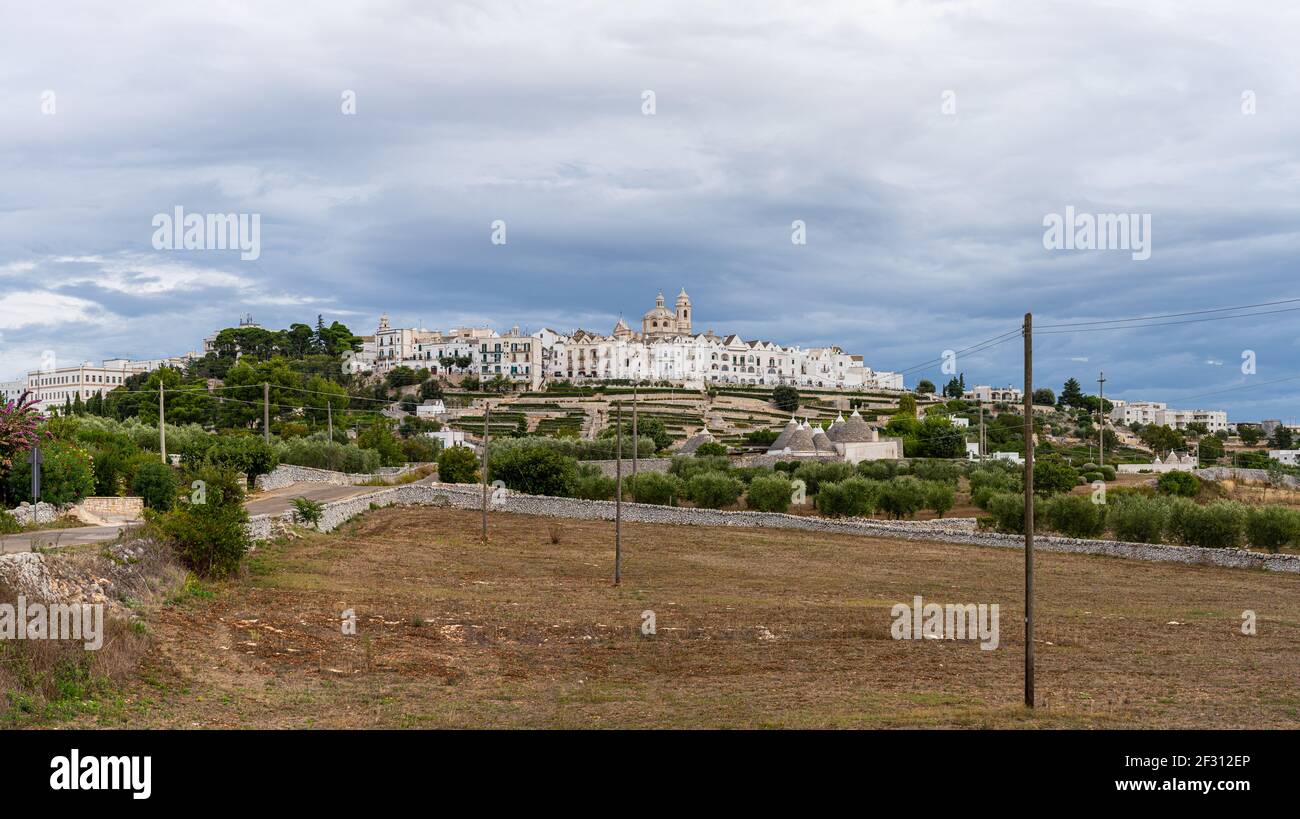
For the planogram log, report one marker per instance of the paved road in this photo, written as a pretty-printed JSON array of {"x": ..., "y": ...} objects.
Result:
[
  {"x": 268, "y": 503},
  {"x": 24, "y": 541}
]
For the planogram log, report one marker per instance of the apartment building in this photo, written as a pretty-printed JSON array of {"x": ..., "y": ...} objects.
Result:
[
  {"x": 1160, "y": 414},
  {"x": 55, "y": 387},
  {"x": 984, "y": 394}
]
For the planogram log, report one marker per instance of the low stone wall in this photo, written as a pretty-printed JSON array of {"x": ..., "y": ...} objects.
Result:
[
  {"x": 132, "y": 508},
  {"x": 287, "y": 474},
  {"x": 28, "y": 515},
  {"x": 951, "y": 530},
  {"x": 607, "y": 468},
  {"x": 1228, "y": 473}
]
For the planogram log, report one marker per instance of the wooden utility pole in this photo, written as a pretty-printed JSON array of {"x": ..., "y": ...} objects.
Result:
[
  {"x": 487, "y": 412},
  {"x": 1029, "y": 509},
  {"x": 162, "y": 421},
  {"x": 329, "y": 418},
  {"x": 636, "y": 440},
  {"x": 618, "y": 499},
  {"x": 1101, "y": 418},
  {"x": 266, "y": 412},
  {"x": 983, "y": 451}
]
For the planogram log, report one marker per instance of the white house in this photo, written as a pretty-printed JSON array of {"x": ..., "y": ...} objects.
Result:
[
  {"x": 449, "y": 437},
  {"x": 984, "y": 394},
  {"x": 430, "y": 409},
  {"x": 1290, "y": 457}
]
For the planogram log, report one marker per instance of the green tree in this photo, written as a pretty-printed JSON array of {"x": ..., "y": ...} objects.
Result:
[
  {"x": 210, "y": 536},
  {"x": 925, "y": 386},
  {"x": 1044, "y": 397},
  {"x": 156, "y": 483},
  {"x": 1282, "y": 437},
  {"x": 1071, "y": 394},
  {"x": 458, "y": 464},
  {"x": 785, "y": 398}
]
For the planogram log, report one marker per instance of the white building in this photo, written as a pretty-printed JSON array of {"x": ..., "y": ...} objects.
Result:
[
  {"x": 53, "y": 388},
  {"x": 1159, "y": 414},
  {"x": 666, "y": 349},
  {"x": 1290, "y": 457},
  {"x": 430, "y": 409},
  {"x": 984, "y": 394},
  {"x": 12, "y": 390},
  {"x": 449, "y": 437}
]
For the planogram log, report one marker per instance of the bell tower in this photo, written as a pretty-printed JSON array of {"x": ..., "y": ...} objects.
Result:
[{"x": 683, "y": 313}]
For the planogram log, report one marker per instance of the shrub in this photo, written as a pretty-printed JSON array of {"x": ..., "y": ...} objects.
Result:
[
  {"x": 1221, "y": 525},
  {"x": 319, "y": 453},
  {"x": 308, "y": 511},
  {"x": 711, "y": 448},
  {"x": 379, "y": 436},
  {"x": 655, "y": 487},
  {"x": 1074, "y": 515},
  {"x": 535, "y": 471},
  {"x": 901, "y": 497},
  {"x": 687, "y": 467},
  {"x": 1180, "y": 484},
  {"x": 1053, "y": 477},
  {"x": 1107, "y": 472},
  {"x": 156, "y": 483},
  {"x": 1136, "y": 518},
  {"x": 815, "y": 473},
  {"x": 714, "y": 490},
  {"x": 419, "y": 449},
  {"x": 787, "y": 467},
  {"x": 243, "y": 453},
  {"x": 939, "y": 496},
  {"x": 594, "y": 487},
  {"x": 67, "y": 474},
  {"x": 878, "y": 470},
  {"x": 769, "y": 493},
  {"x": 9, "y": 524},
  {"x": 1008, "y": 511},
  {"x": 210, "y": 537},
  {"x": 1272, "y": 527},
  {"x": 937, "y": 470},
  {"x": 851, "y": 497},
  {"x": 458, "y": 464}
]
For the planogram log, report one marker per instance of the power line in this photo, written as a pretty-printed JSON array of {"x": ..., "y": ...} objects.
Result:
[
  {"x": 1171, "y": 323},
  {"x": 1171, "y": 315}
]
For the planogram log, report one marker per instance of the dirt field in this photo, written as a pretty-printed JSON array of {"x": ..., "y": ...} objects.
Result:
[{"x": 756, "y": 628}]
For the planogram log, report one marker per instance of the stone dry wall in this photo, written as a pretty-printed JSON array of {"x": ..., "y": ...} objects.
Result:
[
  {"x": 118, "y": 507},
  {"x": 951, "y": 530},
  {"x": 287, "y": 474},
  {"x": 1226, "y": 473},
  {"x": 607, "y": 468},
  {"x": 28, "y": 515}
]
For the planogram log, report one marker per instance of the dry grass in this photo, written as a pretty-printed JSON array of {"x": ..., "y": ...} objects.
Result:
[{"x": 755, "y": 628}]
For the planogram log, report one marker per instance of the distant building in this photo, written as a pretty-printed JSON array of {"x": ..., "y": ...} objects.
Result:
[
  {"x": 984, "y": 394},
  {"x": 430, "y": 409},
  {"x": 1153, "y": 412},
  {"x": 851, "y": 441},
  {"x": 1290, "y": 457}
]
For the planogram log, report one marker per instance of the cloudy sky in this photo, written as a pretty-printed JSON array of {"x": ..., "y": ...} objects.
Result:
[{"x": 921, "y": 143}]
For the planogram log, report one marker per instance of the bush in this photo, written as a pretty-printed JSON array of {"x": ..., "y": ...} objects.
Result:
[
  {"x": 769, "y": 493},
  {"x": 1052, "y": 477},
  {"x": 9, "y": 524},
  {"x": 940, "y": 497},
  {"x": 1008, "y": 511},
  {"x": 815, "y": 473},
  {"x": 210, "y": 537},
  {"x": 156, "y": 483},
  {"x": 535, "y": 471},
  {"x": 1107, "y": 472},
  {"x": 458, "y": 464},
  {"x": 419, "y": 449},
  {"x": 1074, "y": 515},
  {"x": 878, "y": 470},
  {"x": 1179, "y": 484},
  {"x": 308, "y": 511},
  {"x": 243, "y": 453},
  {"x": 714, "y": 490},
  {"x": 1272, "y": 527},
  {"x": 319, "y": 453},
  {"x": 654, "y": 487},
  {"x": 1221, "y": 525},
  {"x": 937, "y": 470},
  {"x": 901, "y": 497},
  {"x": 851, "y": 497},
  {"x": 594, "y": 487},
  {"x": 687, "y": 467},
  {"x": 379, "y": 436},
  {"x": 711, "y": 448},
  {"x": 1135, "y": 518},
  {"x": 67, "y": 474}
]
